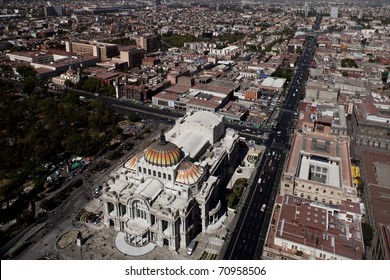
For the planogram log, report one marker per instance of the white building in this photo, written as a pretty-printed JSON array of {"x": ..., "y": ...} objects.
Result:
[
  {"x": 169, "y": 192},
  {"x": 334, "y": 12}
]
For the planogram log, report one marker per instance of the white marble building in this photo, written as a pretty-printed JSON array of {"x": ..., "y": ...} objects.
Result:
[{"x": 169, "y": 192}]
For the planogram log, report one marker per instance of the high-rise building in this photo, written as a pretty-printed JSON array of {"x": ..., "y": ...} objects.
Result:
[
  {"x": 334, "y": 12},
  {"x": 306, "y": 10},
  {"x": 53, "y": 11},
  {"x": 147, "y": 42},
  {"x": 133, "y": 55}
]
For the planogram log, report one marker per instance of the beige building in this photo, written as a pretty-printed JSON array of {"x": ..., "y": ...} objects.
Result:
[
  {"x": 371, "y": 122},
  {"x": 132, "y": 55},
  {"x": 147, "y": 42},
  {"x": 98, "y": 49},
  {"x": 316, "y": 91},
  {"x": 319, "y": 169}
]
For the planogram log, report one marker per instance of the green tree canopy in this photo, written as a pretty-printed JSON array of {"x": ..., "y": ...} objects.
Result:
[{"x": 91, "y": 84}]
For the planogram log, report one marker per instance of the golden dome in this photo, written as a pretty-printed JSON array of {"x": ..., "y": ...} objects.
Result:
[
  {"x": 188, "y": 173},
  {"x": 132, "y": 162},
  {"x": 162, "y": 153}
]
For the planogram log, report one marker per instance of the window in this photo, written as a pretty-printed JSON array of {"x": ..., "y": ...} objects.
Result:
[
  {"x": 169, "y": 177},
  {"x": 154, "y": 172},
  {"x": 164, "y": 175},
  {"x": 139, "y": 169},
  {"x": 144, "y": 170},
  {"x": 149, "y": 172},
  {"x": 159, "y": 174}
]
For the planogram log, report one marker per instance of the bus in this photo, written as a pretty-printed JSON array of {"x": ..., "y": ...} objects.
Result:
[{"x": 191, "y": 247}]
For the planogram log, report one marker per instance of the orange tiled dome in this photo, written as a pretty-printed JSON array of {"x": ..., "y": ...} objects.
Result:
[
  {"x": 162, "y": 153},
  {"x": 188, "y": 173},
  {"x": 132, "y": 162}
]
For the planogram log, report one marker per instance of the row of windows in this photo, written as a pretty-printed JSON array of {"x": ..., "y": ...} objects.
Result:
[
  {"x": 315, "y": 198},
  {"x": 155, "y": 174},
  {"x": 317, "y": 190}
]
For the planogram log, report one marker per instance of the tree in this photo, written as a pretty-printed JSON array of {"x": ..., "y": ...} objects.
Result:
[
  {"x": 91, "y": 84},
  {"x": 5, "y": 68},
  {"x": 348, "y": 62},
  {"x": 384, "y": 76},
  {"x": 28, "y": 85},
  {"x": 72, "y": 98},
  {"x": 68, "y": 83},
  {"x": 134, "y": 118},
  {"x": 368, "y": 234},
  {"x": 26, "y": 71}
]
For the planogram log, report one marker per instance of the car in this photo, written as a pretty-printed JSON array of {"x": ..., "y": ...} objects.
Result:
[{"x": 263, "y": 207}]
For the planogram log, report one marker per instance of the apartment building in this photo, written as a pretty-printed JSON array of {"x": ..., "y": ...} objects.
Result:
[{"x": 104, "y": 51}]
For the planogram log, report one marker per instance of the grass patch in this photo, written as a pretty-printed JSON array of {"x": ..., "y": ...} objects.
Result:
[{"x": 236, "y": 192}]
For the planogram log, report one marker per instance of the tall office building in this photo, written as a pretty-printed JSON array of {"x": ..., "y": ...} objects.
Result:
[
  {"x": 306, "y": 10},
  {"x": 334, "y": 12},
  {"x": 148, "y": 42},
  {"x": 54, "y": 11}
]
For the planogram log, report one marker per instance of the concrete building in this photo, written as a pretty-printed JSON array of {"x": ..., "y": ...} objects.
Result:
[
  {"x": 132, "y": 55},
  {"x": 271, "y": 85},
  {"x": 371, "y": 122},
  {"x": 334, "y": 12},
  {"x": 31, "y": 56},
  {"x": 148, "y": 42},
  {"x": 380, "y": 249},
  {"x": 252, "y": 94},
  {"x": 325, "y": 118},
  {"x": 98, "y": 49},
  {"x": 54, "y": 11},
  {"x": 305, "y": 229},
  {"x": 316, "y": 91},
  {"x": 319, "y": 168},
  {"x": 169, "y": 192},
  {"x": 375, "y": 165}
]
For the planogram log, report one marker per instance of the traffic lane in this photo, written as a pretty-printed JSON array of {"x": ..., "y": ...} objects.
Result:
[{"x": 252, "y": 225}]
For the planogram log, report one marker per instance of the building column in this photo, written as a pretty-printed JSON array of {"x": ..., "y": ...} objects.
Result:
[{"x": 183, "y": 232}]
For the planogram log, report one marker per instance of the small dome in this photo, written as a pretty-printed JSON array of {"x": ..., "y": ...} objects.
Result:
[
  {"x": 132, "y": 162},
  {"x": 162, "y": 153},
  {"x": 188, "y": 173}
]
